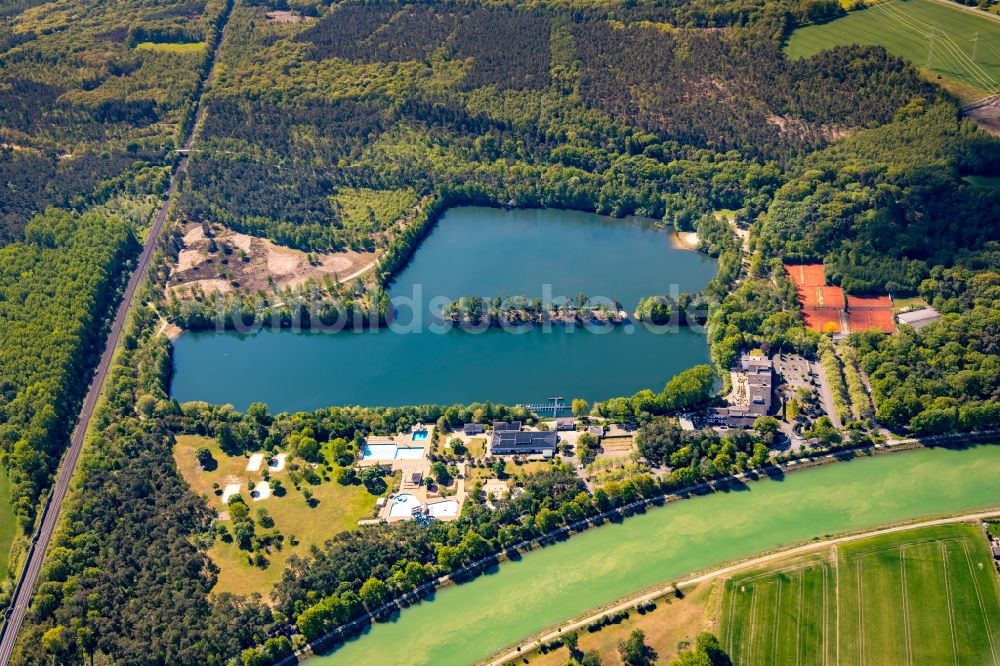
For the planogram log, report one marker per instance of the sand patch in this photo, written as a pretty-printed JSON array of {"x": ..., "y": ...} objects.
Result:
[
  {"x": 172, "y": 331},
  {"x": 283, "y": 16},
  {"x": 194, "y": 235},
  {"x": 686, "y": 240},
  {"x": 230, "y": 490},
  {"x": 189, "y": 259},
  {"x": 242, "y": 241},
  {"x": 261, "y": 491},
  {"x": 228, "y": 261},
  {"x": 986, "y": 115},
  {"x": 207, "y": 286},
  {"x": 282, "y": 261},
  {"x": 277, "y": 463},
  {"x": 255, "y": 462},
  {"x": 336, "y": 263}
]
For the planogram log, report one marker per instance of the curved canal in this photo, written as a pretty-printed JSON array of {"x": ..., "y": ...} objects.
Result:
[{"x": 466, "y": 623}]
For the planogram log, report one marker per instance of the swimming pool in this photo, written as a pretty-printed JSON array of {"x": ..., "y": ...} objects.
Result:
[
  {"x": 402, "y": 506},
  {"x": 419, "y": 435},
  {"x": 391, "y": 452}
]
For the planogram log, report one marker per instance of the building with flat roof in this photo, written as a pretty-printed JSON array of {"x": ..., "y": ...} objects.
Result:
[
  {"x": 509, "y": 439},
  {"x": 565, "y": 423},
  {"x": 919, "y": 318},
  {"x": 760, "y": 385}
]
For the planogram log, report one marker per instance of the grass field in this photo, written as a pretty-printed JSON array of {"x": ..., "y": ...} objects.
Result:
[
  {"x": 8, "y": 523},
  {"x": 906, "y": 28},
  {"x": 172, "y": 47},
  {"x": 927, "y": 596},
  {"x": 337, "y": 508}
]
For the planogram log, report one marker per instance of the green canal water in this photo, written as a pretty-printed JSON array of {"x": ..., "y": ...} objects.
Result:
[
  {"x": 484, "y": 252},
  {"x": 466, "y": 623}
]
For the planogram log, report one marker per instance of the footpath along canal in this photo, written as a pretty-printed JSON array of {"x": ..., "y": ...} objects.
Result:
[{"x": 466, "y": 623}]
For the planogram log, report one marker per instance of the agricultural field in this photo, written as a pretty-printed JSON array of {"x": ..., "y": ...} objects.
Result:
[
  {"x": 332, "y": 508},
  {"x": 920, "y": 596},
  {"x": 934, "y": 36}
]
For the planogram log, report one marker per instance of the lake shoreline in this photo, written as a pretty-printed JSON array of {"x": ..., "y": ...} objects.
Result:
[{"x": 568, "y": 273}]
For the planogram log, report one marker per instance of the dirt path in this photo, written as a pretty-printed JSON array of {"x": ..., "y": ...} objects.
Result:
[
  {"x": 361, "y": 271},
  {"x": 630, "y": 602}
]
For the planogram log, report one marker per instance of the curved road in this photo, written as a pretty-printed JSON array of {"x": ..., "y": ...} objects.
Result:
[
  {"x": 729, "y": 569},
  {"x": 50, "y": 513}
]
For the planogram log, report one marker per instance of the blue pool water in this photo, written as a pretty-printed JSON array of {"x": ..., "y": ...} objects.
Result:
[
  {"x": 419, "y": 435},
  {"x": 392, "y": 452}
]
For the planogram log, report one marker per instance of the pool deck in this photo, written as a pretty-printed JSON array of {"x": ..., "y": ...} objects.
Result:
[
  {"x": 403, "y": 441},
  {"x": 425, "y": 497}
]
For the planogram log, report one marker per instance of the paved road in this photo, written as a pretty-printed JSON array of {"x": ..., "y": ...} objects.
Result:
[
  {"x": 50, "y": 513},
  {"x": 725, "y": 571}
]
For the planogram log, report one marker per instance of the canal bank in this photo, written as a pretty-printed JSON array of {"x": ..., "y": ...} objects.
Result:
[{"x": 601, "y": 565}]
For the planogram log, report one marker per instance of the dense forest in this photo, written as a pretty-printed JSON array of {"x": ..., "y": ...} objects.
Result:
[
  {"x": 126, "y": 575},
  {"x": 87, "y": 120},
  {"x": 55, "y": 289},
  {"x": 554, "y": 107},
  {"x": 883, "y": 207},
  {"x": 81, "y": 105}
]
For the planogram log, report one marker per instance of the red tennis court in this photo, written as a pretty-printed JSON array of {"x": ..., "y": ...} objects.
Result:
[
  {"x": 821, "y": 297},
  {"x": 806, "y": 275},
  {"x": 822, "y": 321},
  {"x": 867, "y": 320},
  {"x": 869, "y": 302}
]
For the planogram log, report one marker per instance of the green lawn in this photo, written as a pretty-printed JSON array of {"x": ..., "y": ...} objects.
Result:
[
  {"x": 905, "y": 28},
  {"x": 927, "y": 596},
  {"x": 172, "y": 47},
  {"x": 8, "y": 523},
  {"x": 337, "y": 508}
]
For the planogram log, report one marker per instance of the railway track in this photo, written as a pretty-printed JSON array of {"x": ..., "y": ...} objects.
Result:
[{"x": 21, "y": 599}]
